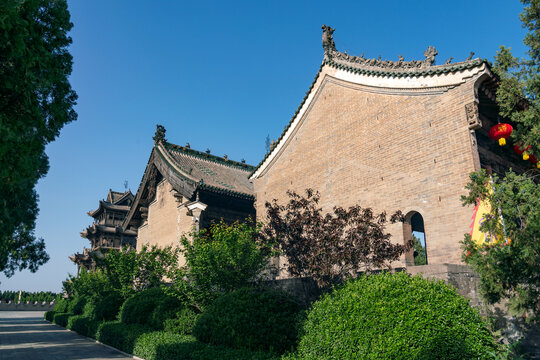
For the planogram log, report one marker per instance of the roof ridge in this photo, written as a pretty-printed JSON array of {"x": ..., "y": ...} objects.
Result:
[
  {"x": 404, "y": 72},
  {"x": 331, "y": 54},
  {"x": 208, "y": 157}
]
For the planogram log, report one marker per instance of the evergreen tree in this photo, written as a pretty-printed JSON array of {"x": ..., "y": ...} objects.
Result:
[{"x": 36, "y": 100}]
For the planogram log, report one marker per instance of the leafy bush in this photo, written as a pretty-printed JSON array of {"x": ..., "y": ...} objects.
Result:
[
  {"x": 256, "y": 319},
  {"x": 83, "y": 325},
  {"x": 61, "y": 305},
  {"x": 139, "y": 307},
  {"x": 119, "y": 335},
  {"x": 395, "y": 316},
  {"x": 182, "y": 323},
  {"x": 167, "y": 308},
  {"x": 61, "y": 318},
  {"x": 49, "y": 315},
  {"x": 104, "y": 308},
  {"x": 220, "y": 259},
  {"x": 161, "y": 345},
  {"x": 76, "y": 305},
  {"x": 223, "y": 353}
]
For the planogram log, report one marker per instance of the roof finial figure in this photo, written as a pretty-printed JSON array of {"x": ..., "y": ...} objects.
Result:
[
  {"x": 328, "y": 39},
  {"x": 430, "y": 54},
  {"x": 160, "y": 134},
  {"x": 470, "y": 56},
  {"x": 448, "y": 61}
]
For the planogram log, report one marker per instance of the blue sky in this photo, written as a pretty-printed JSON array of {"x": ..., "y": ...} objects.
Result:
[{"x": 220, "y": 75}]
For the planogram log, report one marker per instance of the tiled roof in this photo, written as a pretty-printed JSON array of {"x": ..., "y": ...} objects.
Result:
[
  {"x": 211, "y": 172},
  {"x": 413, "y": 72}
]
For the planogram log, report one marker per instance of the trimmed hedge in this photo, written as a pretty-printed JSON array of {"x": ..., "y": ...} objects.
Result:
[
  {"x": 160, "y": 345},
  {"x": 395, "y": 316},
  {"x": 254, "y": 319},
  {"x": 105, "y": 307},
  {"x": 49, "y": 315},
  {"x": 138, "y": 308},
  {"x": 76, "y": 305},
  {"x": 119, "y": 335},
  {"x": 83, "y": 325},
  {"x": 61, "y": 318}
]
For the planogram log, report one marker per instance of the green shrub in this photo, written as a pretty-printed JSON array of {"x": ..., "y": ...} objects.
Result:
[
  {"x": 138, "y": 308},
  {"x": 119, "y": 335},
  {"x": 167, "y": 308},
  {"x": 61, "y": 318},
  {"x": 182, "y": 323},
  {"x": 160, "y": 345},
  {"x": 76, "y": 305},
  {"x": 104, "y": 308},
  {"x": 255, "y": 319},
  {"x": 61, "y": 305},
  {"x": 395, "y": 316},
  {"x": 211, "y": 352},
  {"x": 49, "y": 315},
  {"x": 83, "y": 325}
]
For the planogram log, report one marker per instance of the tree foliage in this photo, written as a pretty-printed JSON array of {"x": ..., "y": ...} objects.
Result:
[
  {"x": 519, "y": 88},
  {"x": 220, "y": 259},
  {"x": 329, "y": 247},
  {"x": 125, "y": 271},
  {"x": 36, "y": 100},
  {"x": 508, "y": 269},
  {"x": 128, "y": 270}
]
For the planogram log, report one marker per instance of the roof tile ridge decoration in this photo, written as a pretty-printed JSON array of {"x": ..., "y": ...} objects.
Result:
[
  {"x": 207, "y": 156},
  {"x": 290, "y": 121},
  {"x": 400, "y": 68}
]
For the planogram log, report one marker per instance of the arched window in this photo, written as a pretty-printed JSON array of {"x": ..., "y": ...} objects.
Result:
[{"x": 413, "y": 229}]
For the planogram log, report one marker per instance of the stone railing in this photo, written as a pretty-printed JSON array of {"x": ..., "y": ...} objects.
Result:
[{"x": 26, "y": 306}]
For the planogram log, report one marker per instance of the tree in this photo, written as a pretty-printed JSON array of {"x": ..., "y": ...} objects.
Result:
[
  {"x": 128, "y": 270},
  {"x": 509, "y": 267},
  {"x": 419, "y": 252},
  {"x": 329, "y": 247},
  {"x": 36, "y": 100},
  {"x": 518, "y": 94},
  {"x": 220, "y": 259}
]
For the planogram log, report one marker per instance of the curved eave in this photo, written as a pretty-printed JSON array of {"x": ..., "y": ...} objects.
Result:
[
  {"x": 330, "y": 66},
  {"x": 227, "y": 192}
]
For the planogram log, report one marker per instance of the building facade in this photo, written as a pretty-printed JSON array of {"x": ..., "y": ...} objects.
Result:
[
  {"x": 184, "y": 190},
  {"x": 391, "y": 135}
]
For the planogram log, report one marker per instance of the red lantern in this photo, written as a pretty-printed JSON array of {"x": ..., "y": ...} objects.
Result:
[
  {"x": 500, "y": 132},
  {"x": 520, "y": 149}
]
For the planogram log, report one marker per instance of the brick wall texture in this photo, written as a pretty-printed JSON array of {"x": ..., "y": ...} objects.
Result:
[{"x": 389, "y": 150}]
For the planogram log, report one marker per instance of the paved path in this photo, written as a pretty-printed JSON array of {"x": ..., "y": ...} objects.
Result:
[{"x": 24, "y": 335}]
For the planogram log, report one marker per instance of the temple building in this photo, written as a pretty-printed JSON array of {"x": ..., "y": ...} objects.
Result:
[
  {"x": 392, "y": 135},
  {"x": 183, "y": 190},
  {"x": 106, "y": 232}
]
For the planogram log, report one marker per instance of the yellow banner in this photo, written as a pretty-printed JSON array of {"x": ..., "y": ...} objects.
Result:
[{"x": 481, "y": 212}]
